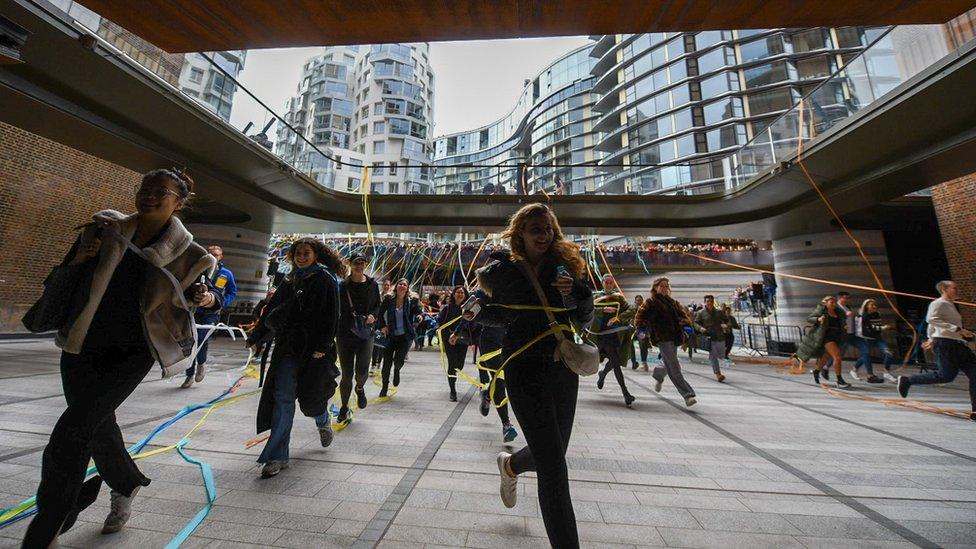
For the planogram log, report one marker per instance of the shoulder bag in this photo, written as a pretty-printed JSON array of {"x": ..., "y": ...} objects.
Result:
[
  {"x": 581, "y": 358},
  {"x": 359, "y": 327}
]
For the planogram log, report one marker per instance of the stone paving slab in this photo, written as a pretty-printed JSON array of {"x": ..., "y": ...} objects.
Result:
[{"x": 764, "y": 460}]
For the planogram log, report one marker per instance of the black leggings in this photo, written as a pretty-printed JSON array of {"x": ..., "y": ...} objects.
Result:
[
  {"x": 645, "y": 346},
  {"x": 543, "y": 395},
  {"x": 95, "y": 382},
  {"x": 354, "y": 356},
  {"x": 455, "y": 360},
  {"x": 485, "y": 377},
  {"x": 609, "y": 347},
  {"x": 394, "y": 356},
  {"x": 729, "y": 340}
]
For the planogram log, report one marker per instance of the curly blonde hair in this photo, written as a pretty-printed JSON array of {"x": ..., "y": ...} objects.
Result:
[{"x": 561, "y": 249}]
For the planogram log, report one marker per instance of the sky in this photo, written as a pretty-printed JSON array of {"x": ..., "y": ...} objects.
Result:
[{"x": 475, "y": 82}]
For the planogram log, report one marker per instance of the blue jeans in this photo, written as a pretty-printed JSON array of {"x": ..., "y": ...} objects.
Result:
[
  {"x": 283, "y": 413},
  {"x": 951, "y": 356},
  {"x": 864, "y": 349},
  {"x": 201, "y": 357}
]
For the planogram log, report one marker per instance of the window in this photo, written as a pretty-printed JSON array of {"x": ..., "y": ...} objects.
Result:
[
  {"x": 378, "y": 168},
  {"x": 379, "y": 128},
  {"x": 196, "y": 75},
  {"x": 394, "y": 187},
  {"x": 336, "y": 87},
  {"x": 418, "y": 130},
  {"x": 810, "y": 40},
  {"x": 763, "y": 75},
  {"x": 379, "y": 147},
  {"x": 770, "y": 101},
  {"x": 334, "y": 71},
  {"x": 377, "y": 109},
  {"x": 352, "y": 184},
  {"x": 762, "y": 48},
  {"x": 399, "y": 126},
  {"x": 393, "y": 168}
]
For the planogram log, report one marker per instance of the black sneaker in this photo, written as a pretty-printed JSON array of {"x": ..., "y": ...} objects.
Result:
[
  {"x": 343, "y": 415},
  {"x": 453, "y": 396},
  {"x": 485, "y": 404},
  {"x": 629, "y": 399},
  {"x": 361, "y": 401},
  {"x": 600, "y": 378},
  {"x": 396, "y": 377},
  {"x": 875, "y": 379},
  {"x": 816, "y": 376},
  {"x": 842, "y": 384},
  {"x": 826, "y": 374},
  {"x": 903, "y": 386},
  {"x": 383, "y": 392}
]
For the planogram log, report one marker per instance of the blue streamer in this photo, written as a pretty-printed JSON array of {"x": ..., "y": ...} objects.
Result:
[{"x": 208, "y": 482}]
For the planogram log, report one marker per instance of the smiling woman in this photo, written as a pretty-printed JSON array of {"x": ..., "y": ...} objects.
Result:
[{"x": 128, "y": 271}]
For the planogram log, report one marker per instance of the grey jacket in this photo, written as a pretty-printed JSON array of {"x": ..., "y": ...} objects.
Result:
[
  {"x": 944, "y": 320},
  {"x": 168, "y": 327}
]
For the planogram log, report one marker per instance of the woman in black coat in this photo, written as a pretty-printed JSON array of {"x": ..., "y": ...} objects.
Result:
[
  {"x": 541, "y": 388},
  {"x": 398, "y": 312},
  {"x": 302, "y": 317},
  {"x": 457, "y": 341}
]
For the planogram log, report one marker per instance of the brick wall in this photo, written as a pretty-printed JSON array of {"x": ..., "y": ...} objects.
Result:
[
  {"x": 955, "y": 207},
  {"x": 46, "y": 189}
]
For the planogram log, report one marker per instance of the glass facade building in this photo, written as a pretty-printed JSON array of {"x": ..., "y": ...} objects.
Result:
[
  {"x": 647, "y": 113},
  {"x": 363, "y": 105}
]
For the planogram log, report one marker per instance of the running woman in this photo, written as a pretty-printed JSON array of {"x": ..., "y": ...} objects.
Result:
[
  {"x": 825, "y": 339},
  {"x": 541, "y": 388},
  {"x": 611, "y": 330},
  {"x": 663, "y": 320}
]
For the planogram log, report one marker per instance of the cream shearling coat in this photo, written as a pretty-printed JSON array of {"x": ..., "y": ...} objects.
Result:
[{"x": 168, "y": 327}]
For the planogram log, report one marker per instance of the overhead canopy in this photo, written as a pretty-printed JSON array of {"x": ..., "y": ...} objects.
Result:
[{"x": 210, "y": 25}]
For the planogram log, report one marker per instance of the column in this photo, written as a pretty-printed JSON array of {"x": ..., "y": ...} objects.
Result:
[
  {"x": 829, "y": 256},
  {"x": 245, "y": 254}
]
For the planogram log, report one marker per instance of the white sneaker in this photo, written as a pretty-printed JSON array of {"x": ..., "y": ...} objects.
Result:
[
  {"x": 658, "y": 384},
  {"x": 508, "y": 488},
  {"x": 854, "y": 374},
  {"x": 201, "y": 371},
  {"x": 690, "y": 401},
  {"x": 121, "y": 510},
  {"x": 891, "y": 378}
]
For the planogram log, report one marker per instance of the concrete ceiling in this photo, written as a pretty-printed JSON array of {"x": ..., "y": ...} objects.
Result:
[{"x": 208, "y": 25}]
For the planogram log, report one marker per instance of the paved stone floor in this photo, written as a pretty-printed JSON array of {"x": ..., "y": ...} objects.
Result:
[{"x": 765, "y": 459}]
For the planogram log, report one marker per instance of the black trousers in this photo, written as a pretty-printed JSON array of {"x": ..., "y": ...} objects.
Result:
[
  {"x": 354, "y": 357},
  {"x": 486, "y": 377},
  {"x": 609, "y": 346},
  {"x": 394, "y": 356},
  {"x": 455, "y": 360},
  {"x": 729, "y": 340},
  {"x": 96, "y": 383},
  {"x": 543, "y": 396}
]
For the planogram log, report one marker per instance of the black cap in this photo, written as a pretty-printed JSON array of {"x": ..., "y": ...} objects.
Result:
[{"x": 358, "y": 257}]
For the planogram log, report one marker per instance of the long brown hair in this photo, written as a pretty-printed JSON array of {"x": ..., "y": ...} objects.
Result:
[
  {"x": 561, "y": 249},
  {"x": 323, "y": 254}
]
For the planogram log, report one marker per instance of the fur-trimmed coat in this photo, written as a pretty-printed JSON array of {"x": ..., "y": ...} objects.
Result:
[{"x": 168, "y": 327}]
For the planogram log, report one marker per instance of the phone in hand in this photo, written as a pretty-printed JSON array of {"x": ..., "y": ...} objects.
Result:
[
  {"x": 472, "y": 305},
  {"x": 201, "y": 285}
]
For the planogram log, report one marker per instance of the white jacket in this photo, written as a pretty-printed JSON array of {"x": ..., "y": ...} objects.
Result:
[
  {"x": 944, "y": 320},
  {"x": 167, "y": 325}
]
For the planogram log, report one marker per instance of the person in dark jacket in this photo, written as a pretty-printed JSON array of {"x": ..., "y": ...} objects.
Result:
[
  {"x": 122, "y": 319},
  {"x": 711, "y": 323},
  {"x": 611, "y": 331},
  {"x": 398, "y": 313},
  {"x": 663, "y": 321},
  {"x": 824, "y": 339},
  {"x": 730, "y": 328},
  {"x": 302, "y": 317},
  {"x": 641, "y": 338},
  {"x": 379, "y": 345},
  {"x": 870, "y": 335},
  {"x": 457, "y": 339},
  {"x": 541, "y": 388},
  {"x": 223, "y": 279},
  {"x": 359, "y": 301}
]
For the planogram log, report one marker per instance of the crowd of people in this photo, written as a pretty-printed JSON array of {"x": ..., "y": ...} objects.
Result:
[{"x": 531, "y": 312}]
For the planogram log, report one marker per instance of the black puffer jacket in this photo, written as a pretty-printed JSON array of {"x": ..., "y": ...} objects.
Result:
[{"x": 504, "y": 283}]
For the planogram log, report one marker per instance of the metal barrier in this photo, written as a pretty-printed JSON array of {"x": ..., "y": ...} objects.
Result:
[{"x": 772, "y": 339}]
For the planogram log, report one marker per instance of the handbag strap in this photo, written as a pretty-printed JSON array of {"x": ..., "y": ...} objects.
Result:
[
  {"x": 530, "y": 274},
  {"x": 138, "y": 251}
]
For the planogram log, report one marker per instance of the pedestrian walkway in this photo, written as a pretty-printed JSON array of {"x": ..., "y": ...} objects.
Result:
[{"x": 763, "y": 460}]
